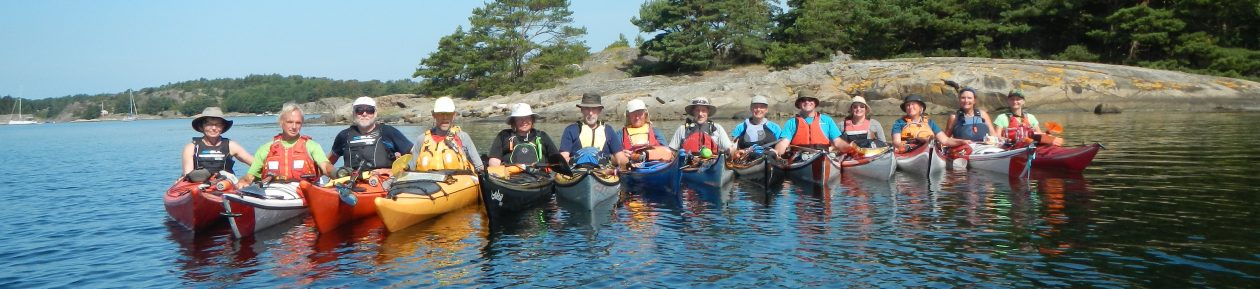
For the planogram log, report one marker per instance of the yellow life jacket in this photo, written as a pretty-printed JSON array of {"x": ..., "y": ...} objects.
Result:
[
  {"x": 592, "y": 137},
  {"x": 440, "y": 152},
  {"x": 637, "y": 136}
]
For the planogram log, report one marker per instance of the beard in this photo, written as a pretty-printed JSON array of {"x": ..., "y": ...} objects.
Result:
[
  {"x": 364, "y": 124},
  {"x": 590, "y": 120}
]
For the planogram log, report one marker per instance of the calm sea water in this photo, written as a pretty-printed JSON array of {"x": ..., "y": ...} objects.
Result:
[{"x": 1170, "y": 203}]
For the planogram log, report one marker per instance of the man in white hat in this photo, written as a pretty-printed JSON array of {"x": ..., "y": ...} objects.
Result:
[
  {"x": 698, "y": 134},
  {"x": 639, "y": 140},
  {"x": 445, "y": 146},
  {"x": 367, "y": 145},
  {"x": 521, "y": 144},
  {"x": 589, "y": 137},
  {"x": 212, "y": 152},
  {"x": 756, "y": 132}
]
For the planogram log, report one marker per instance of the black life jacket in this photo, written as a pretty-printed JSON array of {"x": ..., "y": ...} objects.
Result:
[
  {"x": 212, "y": 158},
  {"x": 367, "y": 150},
  {"x": 525, "y": 151}
]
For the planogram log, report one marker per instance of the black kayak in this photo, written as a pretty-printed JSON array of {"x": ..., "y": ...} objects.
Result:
[{"x": 516, "y": 193}]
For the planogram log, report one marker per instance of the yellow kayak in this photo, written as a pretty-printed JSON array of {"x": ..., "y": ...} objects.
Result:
[{"x": 420, "y": 196}]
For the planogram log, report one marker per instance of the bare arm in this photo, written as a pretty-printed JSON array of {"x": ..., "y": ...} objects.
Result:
[
  {"x": 240, "y": 153},
  {"x": 949, "y": 141},
  {"x": 988, "y": 122},
  {"x": 949, "y": 125},
  {"x": 187, "y": 158}
]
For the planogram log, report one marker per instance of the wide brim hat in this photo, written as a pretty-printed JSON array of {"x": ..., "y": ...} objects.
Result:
[
  {"x": 913, "y": 98},
  {"x": 857, "y": 100},
  {"x": 803, "y": 97},
  {"x": 521, "y": 110},
  {"x": 701, "y": 101},
  {"x": 591, "y": 100},
  {"x": 213, "y": 111}
]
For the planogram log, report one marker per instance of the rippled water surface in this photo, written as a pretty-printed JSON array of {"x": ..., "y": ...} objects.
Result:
[{"x": 1170, "y": 203}]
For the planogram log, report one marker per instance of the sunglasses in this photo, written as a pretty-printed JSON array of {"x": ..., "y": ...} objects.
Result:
[{"x": 364, "y": 109}]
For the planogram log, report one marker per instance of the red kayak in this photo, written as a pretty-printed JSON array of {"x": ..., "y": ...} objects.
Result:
[
  {"x": 194, "y": 206},
  {"x": 330, "y": 212},
  {"x": 1071, "y": 159}
]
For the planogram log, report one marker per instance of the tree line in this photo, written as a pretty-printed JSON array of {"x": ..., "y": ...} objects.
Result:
[{"x": 251, "y": 94}]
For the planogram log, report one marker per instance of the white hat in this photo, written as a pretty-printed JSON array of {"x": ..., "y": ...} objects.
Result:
[
  {"x": 521, "y": 110},
  {"x": 760, "y": 99},
  {"x": 363, "y": 100},
  {"x": 635, "y": 105},
  {"x": 444, "y": 104},
  {"x": 859, "y": 99},
  {"x": 700, "y": 101}
]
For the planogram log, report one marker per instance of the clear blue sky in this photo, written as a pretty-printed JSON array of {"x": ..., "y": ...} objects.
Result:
[{"x": 53, "y": 48}]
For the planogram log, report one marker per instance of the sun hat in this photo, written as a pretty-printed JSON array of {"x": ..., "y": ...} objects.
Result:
[
  {"x": 364, "y": 100},
  {"x": 801, "y": 96},
  {"x": 760, "y": 99},
  {"x": 444, "y": 104},
  {"x": 635, "y": 105},
  {"x": 521, "y": 110},
  {"x": 1016, "y": 92},
  {"x": 700, "y": 101},
  {"x": 857, "y": 100},
  {"x": 915, "y": 98},
  {"x": 591, "y": 99},
  {"x": 213, "y": 111}
]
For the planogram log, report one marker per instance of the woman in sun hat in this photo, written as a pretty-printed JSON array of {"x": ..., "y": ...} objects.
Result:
[
  {"x": 521, "y": 144},
  {"x": 859, "y": 128},
  {"x": 212, "y": 152}
]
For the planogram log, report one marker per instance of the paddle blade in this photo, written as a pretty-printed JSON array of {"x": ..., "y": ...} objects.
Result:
[
  {"x": 347, "y": 196},
  {"x": 400, "y": 164},
  {"x": 1053, "y": 127}
]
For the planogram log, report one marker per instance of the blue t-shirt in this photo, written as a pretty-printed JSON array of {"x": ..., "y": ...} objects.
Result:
[
  {"x": 829, "y": 128},
  {"x": 570, "y": 143}
]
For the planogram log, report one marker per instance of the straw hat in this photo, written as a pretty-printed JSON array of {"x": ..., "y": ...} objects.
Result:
[{"x": 213, "y": 111}]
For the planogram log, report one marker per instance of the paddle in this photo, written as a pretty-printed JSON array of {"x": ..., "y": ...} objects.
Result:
[
  {"x": 400, "y": 165},
  {"x": 1053, "y": 128},
  {"x": 559, "y": 164}
]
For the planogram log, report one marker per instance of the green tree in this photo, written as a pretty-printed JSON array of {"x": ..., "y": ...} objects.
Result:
[
  {"x": 1140, "y": 26},
  {"x": 196, "y": 104},
  {"x": 509, "y": 41},
  {"x": 621, "y": 42},
  {"x": 705, "y": 34}
]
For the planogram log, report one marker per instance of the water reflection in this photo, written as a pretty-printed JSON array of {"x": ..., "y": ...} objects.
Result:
[{"x": 434, "y": 252}]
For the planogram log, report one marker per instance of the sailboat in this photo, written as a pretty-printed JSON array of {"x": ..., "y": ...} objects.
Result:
[
  {"x": 19, "y": 119},
  {"x": 132, "y": 115}
]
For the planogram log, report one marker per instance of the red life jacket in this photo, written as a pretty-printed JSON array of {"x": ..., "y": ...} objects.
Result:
[
  {"x": 290, "y": 164},
  {"x": 625, "y": 138},
  {"x": 857, "y": 131},
  {"x": 697, "y": 138},
  {"x": 1017, "y": 131},
  {"x": 810, "y": 134}
]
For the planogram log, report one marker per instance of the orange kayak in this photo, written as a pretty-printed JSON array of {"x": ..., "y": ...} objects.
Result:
[{"x": 330, "y": 212}]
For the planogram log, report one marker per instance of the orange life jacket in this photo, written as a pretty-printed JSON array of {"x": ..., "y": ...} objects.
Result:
[
  {"x": 291, "y": 164},
  {"x": 810, "y": 134},
  {"x": 913, "y": 130},
  {"x": 698, "y": 137}
]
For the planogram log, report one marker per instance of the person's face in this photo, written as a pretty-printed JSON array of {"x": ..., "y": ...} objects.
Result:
[
  {"x": 758, "y": 110},
  {"x": 858, "y": 110},
  {"x": 1015, "y": 102},
  {"x": 291, "y": 125},
  {"x": 590, "y": 115},
  {"x": 914, "y": 109},
  {"x": 967, "y": 100},
  {"x": 523, "y": 124},
  {"x": 808, "y": 106},
  {"x": 701, "y": 113},
  {"x": 212, "y": 127},
  {"x": 444, "y": 120},
  {"x": 364, "y": 115},
  {"x": 637, "y": 118}
]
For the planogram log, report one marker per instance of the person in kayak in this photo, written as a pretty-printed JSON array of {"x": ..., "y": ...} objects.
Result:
[
  {"x": 756, "y": 132},
  {"x": 639, "y": 140},
  {"x": 969, "y": 122},
  {"x": 1019, "y": 128},
  {"x": 521, "y": 144},
  {"x": 698, "y": 136},
  {"x": 445, "y": 146},
  {"x": 915, "y": 128},
  {"x": 589, "y": 139},
  {"x": 290, "y": 156},
  {"x": 367, "y": 145},
  {"x": 212, "y": 152},
  {"x": 859, "y": 129},
  {"x": 810, "y": 128}
]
